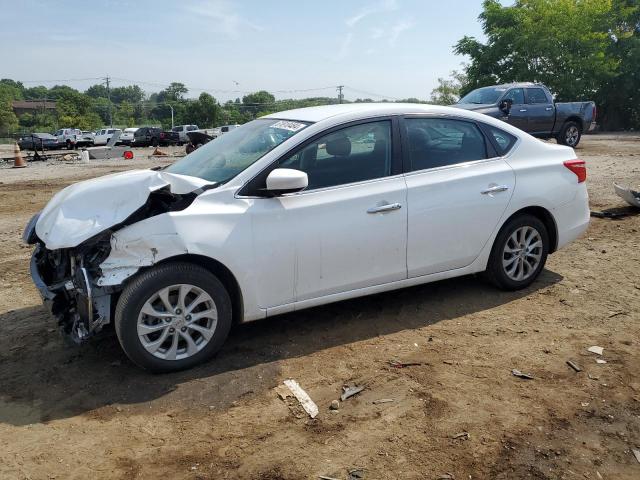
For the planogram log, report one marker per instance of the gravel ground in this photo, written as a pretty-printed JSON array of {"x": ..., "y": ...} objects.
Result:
[{"x": 87, "y": 412}]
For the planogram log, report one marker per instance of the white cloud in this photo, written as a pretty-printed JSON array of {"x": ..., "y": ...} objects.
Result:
[
  {"x": 221, "y": 17},
  {"x": 377, "y": 7},
  {"x": 398, "y": 29},
  {"x": 345, "y": 46}
]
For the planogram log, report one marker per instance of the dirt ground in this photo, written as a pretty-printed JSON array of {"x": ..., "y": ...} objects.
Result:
[{"x": 77, "y": 413}]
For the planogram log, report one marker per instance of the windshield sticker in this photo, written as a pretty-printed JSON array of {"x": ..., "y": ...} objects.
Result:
[{"x": 286, "y": 125}]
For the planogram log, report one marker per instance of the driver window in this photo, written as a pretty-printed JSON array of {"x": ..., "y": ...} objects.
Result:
[
  {"x": 352, "y": 154},
  {"x": 516, "y": 95}
]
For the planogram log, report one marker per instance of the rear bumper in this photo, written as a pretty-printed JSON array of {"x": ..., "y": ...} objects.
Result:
[
  {"x": 572, "y": 219},
  {"x": 592, "y": 126}
]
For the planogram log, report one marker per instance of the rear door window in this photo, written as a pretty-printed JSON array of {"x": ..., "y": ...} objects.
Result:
[
  {"x": 536, "y": 95},
  {"x": 439, "y": 142},
  {"x": 503, "y": 141}
]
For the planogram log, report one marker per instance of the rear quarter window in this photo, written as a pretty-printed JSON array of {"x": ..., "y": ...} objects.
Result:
[{"x": 502, "y": 141}]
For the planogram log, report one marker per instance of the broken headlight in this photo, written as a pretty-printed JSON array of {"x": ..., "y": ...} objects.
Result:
[{"x": 29, "y": 235}]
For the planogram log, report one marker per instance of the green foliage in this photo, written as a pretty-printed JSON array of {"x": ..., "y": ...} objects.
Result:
[
  {"x": 581, "y": 49},
  {"x": 448, "y": 90}
]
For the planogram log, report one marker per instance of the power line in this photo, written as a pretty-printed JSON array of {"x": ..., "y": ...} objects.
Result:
[{"x": 370, "y": 93}]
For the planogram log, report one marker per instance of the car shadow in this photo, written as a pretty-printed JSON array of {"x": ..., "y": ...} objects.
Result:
[{"x": 43, "y": 380}]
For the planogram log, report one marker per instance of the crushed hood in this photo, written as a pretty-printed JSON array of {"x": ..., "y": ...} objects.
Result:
[{"x": 82, "y": 210}]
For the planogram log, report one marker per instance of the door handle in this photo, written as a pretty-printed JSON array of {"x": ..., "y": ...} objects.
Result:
[
  {"x": 495, "y": 189},
  {"x": 523, "y": 109},
  {"x": 548, "y": 108},
  {"x": 387, "y": 207}
]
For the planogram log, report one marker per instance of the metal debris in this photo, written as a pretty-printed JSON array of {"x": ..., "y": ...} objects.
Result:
[
  {"x": 382, "y": 400},
  {"x": 574, "y": 365},
  {"x": 399, "y": 364},
  {"x": 356, "y": 474},
  {"x": 636, "y": 453},
  {"x": 462, "y": 435},
  {"x": 595, "y": 349},
  {"x": 324, "y": 477},
  {"x": 600, "y": 361},
  {"x": 350, "y": 391},
  {"x": 518, "y": 373},
  {"x": 305, "y": 400},
  {"x": 628, "y": 195}
]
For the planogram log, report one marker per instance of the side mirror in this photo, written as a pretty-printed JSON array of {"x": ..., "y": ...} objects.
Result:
[
  {"x": 505, "y": 106},
  {"x": 286, "y": 180}
]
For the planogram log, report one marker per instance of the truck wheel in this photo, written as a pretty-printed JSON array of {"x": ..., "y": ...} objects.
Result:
[
  {"x": 68, "y": 144},
  {"x": 570, "y": 134},
  {"x": 154, "y": 142},
  {"x": 173, "y": 317},
  {"x": 519, "y": 253}
]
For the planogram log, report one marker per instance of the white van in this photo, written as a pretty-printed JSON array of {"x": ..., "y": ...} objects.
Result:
[{"x": 104, "y": 135}]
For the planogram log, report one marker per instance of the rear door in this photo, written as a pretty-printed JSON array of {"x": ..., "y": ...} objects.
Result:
[
  {"x": 458, "y": 188},
  {"x": 542, "y": 113}
]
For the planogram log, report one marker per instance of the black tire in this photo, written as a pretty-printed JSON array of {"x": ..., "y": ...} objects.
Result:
[
  {"x": 68, "y": 144},
  {"x": 570, "y": 134},
  {"x": 154, "y": 142},
  {"x": 142, "y": 287},
  {"x": 496, "y": 273}
]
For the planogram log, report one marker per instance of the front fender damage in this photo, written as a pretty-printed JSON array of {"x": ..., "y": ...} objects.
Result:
[
  {"x": 80, "y": 283},
  {"x": 129, "y": 255}
]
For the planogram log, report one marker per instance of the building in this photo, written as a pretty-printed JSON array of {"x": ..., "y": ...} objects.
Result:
[{"x": 32, "y": 106}]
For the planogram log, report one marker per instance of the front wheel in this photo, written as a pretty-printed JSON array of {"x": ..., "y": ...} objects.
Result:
[
  {"x": 173, "y": 317},
  {"x": 519, "y": 253},
  {"x": 570, "y": 134}
]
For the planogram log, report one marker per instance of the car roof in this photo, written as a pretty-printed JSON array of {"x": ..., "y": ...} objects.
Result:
[{"x": 363, "y": 110}]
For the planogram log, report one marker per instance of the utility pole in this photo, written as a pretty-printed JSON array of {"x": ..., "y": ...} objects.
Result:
[
  {"x": 340, "y": 96},
  {"x": 107, "y": 80}
]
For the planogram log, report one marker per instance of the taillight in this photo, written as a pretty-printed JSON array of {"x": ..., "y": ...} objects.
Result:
[{"x": 578, "y": 167}]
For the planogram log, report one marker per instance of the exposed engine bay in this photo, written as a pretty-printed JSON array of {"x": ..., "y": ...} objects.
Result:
[{"x": 67, "y": 278}]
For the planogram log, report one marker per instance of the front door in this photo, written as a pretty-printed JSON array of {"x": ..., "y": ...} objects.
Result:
[
  {"x": 456, "y": 194},
  {"x": 347, "y": 230},
  {"x": 518, "y": 116}
]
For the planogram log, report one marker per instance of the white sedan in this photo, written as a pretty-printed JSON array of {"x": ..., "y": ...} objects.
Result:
[{"x": 298, "y": 209}]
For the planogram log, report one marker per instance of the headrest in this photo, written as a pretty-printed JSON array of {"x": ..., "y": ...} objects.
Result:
[
  {"x": 339, "y": 146},
  {"x": 419, "y": 138}
]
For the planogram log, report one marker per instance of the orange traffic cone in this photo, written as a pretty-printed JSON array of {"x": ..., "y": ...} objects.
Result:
[{"x": 18, "y": 161}]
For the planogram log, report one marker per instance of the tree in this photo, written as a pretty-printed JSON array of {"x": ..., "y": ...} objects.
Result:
[
  {"x": 259, "y": 98},
  {"x": 448, "y": 90},
  {"x": 173, "y": 93},
  {"x": 579, "y": 48}
]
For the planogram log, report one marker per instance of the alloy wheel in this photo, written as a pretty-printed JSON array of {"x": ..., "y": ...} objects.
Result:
[
  {"x": 571, "y": 136},
  {"x": 522, "y": 253},
  {"x": 177, "y": 322}
]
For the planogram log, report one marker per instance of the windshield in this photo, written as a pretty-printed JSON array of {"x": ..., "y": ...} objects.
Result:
[
  {"x": 225, "y": 157},
  {"x": 483, "y": 95}
]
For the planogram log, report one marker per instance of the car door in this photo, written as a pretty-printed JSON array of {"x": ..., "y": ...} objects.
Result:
[
  {"x": 347, "y": 230},
  {"x": 518, "y": 115},
  {"x": 542, "y": 113},
  {"x": 458, "y": 189}
]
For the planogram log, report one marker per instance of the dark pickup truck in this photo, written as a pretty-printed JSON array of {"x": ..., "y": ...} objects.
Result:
[
  {"x": 530, "y": 107},
  {"x": 145, "y": 136}
]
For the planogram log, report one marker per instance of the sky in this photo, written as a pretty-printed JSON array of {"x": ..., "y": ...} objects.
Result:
[{"x": 375, "y": 48}]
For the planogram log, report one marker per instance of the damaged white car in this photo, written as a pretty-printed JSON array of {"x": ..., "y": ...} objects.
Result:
[{"x": 299, "y": 209}]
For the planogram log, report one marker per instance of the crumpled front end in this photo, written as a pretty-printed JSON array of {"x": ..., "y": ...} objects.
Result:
[
  {"x": 73, "y": 237},
  {"x": 66, "y": 280}
]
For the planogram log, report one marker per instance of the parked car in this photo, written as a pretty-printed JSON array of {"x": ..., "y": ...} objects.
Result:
[
  {"x": 127, "y": 136},
  {"x": 103, "y": 136},
  {"x": 153, "y": 136},
  {"x": 530, "y": 107},
  {"x": 182, "y": 130},
  {"x": 39, "y": 141},
  {"x": 73, "y": 138},
  {"x": 293, "y": 210}
]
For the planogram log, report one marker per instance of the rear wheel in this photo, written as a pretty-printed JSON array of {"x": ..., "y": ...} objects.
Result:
[
  {"x": 519, "y": 253},
  {"x": 173, "y": 317},
  {"x": 154, "y": 142},
  {"x": 570, "y": 134}
]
